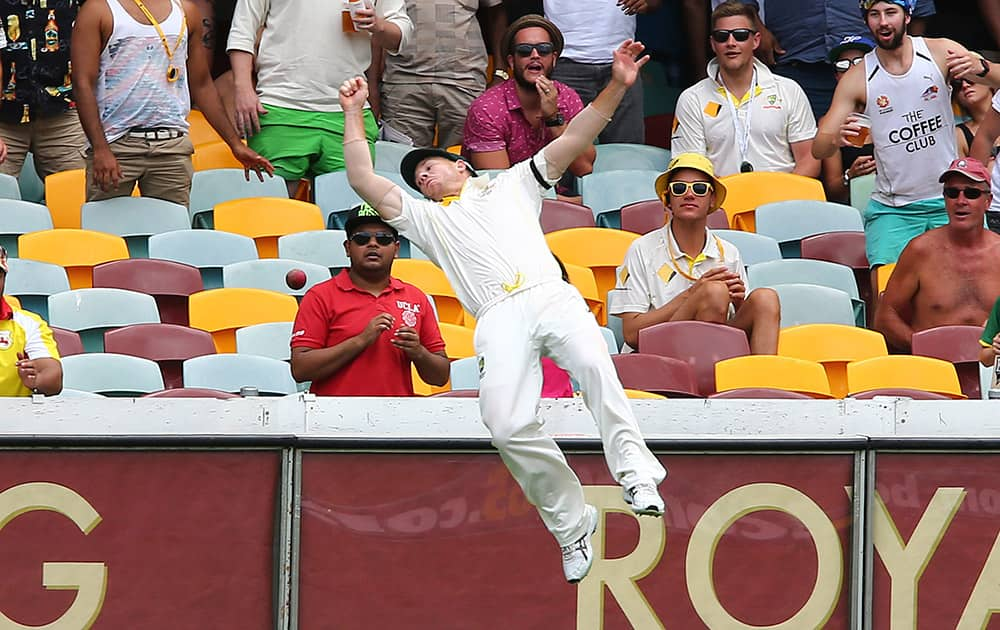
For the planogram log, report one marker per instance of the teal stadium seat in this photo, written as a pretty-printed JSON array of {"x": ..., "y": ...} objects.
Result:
[
  {"x": 33, "y": 281},
  {"x": 814, "y": 304},
  {"x": 230, "y": 372},
  {"x": 754, "y": 248},
  {"x": 806, "y": 271},
  {"x": 135, "y": 219},
  {"x": 788, "y": 222},
  {"x": 213, "y": 186},
  {"x": 319, "y": 247},
  {"x": 611, "y": 157},
  {"x": 605, "y": 192},
  {"x": 111, "y": 374},
  {"x": 270, "y": 339},
  {"x": 20, "y": 217},
  {"x": 269, "y": 273},
  {"x": 92, "y": 312},
  {"x": 208, "y": 250}
]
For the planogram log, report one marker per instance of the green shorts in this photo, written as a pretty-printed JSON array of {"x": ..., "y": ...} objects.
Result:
[
  {"x": 305, "y": 144},
  {"x": 888, "y": 229}
]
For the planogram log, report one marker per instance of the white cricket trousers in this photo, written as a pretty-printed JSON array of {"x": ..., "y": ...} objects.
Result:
[{"x": 510, "y": 339}]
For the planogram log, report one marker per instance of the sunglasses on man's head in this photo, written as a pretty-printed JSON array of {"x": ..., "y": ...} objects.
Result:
[
  {"x": 700, "y": 189},
  {"x": 721, "y": 35},
  {"x": 969, "y": 192},
  {"x": 543, "y": 48},
  {"x": 382, "y": 238},
  {"x": 843, "y": 65}
]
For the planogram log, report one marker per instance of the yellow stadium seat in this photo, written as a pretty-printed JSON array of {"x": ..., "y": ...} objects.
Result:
[
  {"x": 65, "y": 193},
  {"x": 421, "y": 388},
  {"x": 882, "y": 274},
  {"x": 214, "y": 155},
  {"x": 833, "y": 346},
  {"x": 200, "y": 132},
  {"x": 222, "y": 311},
  {"x": 430, "y": 279},
  {"x": 903, "y": 371},
  {"x": 457, "y": 341},
  {"x": 776, "y": 372},
  {"x": 76, "y": 250},
  {"x": 12, "y": 301},
  {"x": 746, "y": 191},
  {"x": 264, "y": 219},
  {"x": 638, "y": 393},
  {"x": 456, "y": 149},
  {"x": 583, "y": 279},
  {"x": 601, "y": 250}
]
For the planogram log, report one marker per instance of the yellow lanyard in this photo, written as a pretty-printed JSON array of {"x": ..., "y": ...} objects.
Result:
[
  {"x": 673, "y": 255},
  {"x": 172, "y": 72}
]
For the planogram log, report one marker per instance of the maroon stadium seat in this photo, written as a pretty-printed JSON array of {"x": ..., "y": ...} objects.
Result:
[
  {"x": 700, "y": 344},
  {"x": 656, "y": 374},
  {"x": 957, "y": 344},
  {"x": 562, "y": 215},
  {"x": 67, "y": 341},
  {"x": 643, "y": 217},
  {"x": 190, "y": 392},
  {"x": 167, "y": 344},
  {"x": 170, "y": 283}
]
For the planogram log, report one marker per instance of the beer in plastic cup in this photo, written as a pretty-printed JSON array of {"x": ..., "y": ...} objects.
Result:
[
  {"x": 864, "y": 133},
  {"x": 347, "y": 16}
]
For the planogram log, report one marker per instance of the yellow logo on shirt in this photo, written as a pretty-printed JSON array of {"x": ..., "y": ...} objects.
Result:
[
  {"x": 713, "y": 109},
  {"x": 665, "y": 273}
]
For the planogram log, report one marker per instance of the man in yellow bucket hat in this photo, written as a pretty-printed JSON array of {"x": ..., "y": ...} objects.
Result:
[{"x": 685, "y": 272}]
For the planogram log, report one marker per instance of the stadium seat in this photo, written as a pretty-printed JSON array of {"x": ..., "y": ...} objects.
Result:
[
  {"x": 833, "y": 346},
  {"x": 639, "y": 394},
  {"x": 958, "y": 345},
  {"x": 231, "y": 372},
  {"x": 562, "y": 215},
  {"x": 135, "y": 219},
  {"x": 805, "y": 271},
  {"x": 861, "y": 191},
  {"x": 78, "y": 251},
  {"x": 200, "y": 131},
  {"x": 264, "y": 219},
  {"x": 334, "y": 195},
  {"x": 92, "y": 312},
  {"x": 904, "y": 372},
  {"x": 775, "y": 372},
  {"x": 882, "y": 275},
  {"x": 642, "y": 217},
  {"x": 21, "y": 217},
  {"x": 320, "y": 247},
  {"x": 583, "y": 279},
  {"x": 270, "y": 340},
  {"x": 222, "y": 311},
  {"x": 610, "y": 339},
  {"x": 211, "y": 155},
  {"x": 170, "y": 283},
  {"x": 9, "y": 188},
  {"x": 655, "y": 373},
  {"x": 430, "y": 279},
  {"x": 788, "y": 222},
  {"x": 207, "y": 250},
  {"x": 600, "y": 249},
  {"x": 33, "y": 281},
  {"x": 746, "y": 191},
  {"x": 214, "y": 186},
  {"x": 111, "y": 374},
  {"x": 760, "y": 392},
  {"x": 65, "y": 193},
  {"x": 845, "y": 248},
  {"x": 270, "y": 274},
  {"x": 168, "y": 345},
  {"x": 608, "y": 191},
  {"x": 717, "y": 220},
  {"x": 457, "y": 341},
  {"x": 753, "y": 248},
  {"x": 814, "y": 304},
  {"x": 389, "y": 155},
  {"x": 613, "y": 155},
  {"x": 900, "y": 392},
  {"x": 190, "y": 392},
  {"x": 31, "y": 185},
  {"x": 465, "y": 374},
  {"x": 68, "y": 342},
  {"x": 700, "y": 344}
]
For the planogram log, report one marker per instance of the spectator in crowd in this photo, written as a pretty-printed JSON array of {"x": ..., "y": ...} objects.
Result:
[
  {"x": 307, "y": 48},
  {"x": 37, "y": 110},
  {"x": 134, "y": 90},
  {"x": 685, "y": 272},
  {"x": 911, "y": 124},
  {"x": 358, "y": 333},
  {"x": 858, "y": 160},
  {"x": 743, "y": 117},
  {"x": 973, "y": 101},
  {"x": 486, "y": 236},
  {"x": 434, "y": 81},
  {"x": 512, "y": 121},
  {"x": 797, "y": 42},
  {"x": 991, "y": 337},
  {"x": 948, "y": 275},
  {"x": 983, "y": 149},
  {"x": 592, "y": 31},
  {"x": 29, "y": 359}
]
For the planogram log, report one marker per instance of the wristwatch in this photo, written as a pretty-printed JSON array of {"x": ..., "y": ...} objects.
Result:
[
  {"x": 986, "y": 68},
  {"x": 555, "y": 121},
  {"x": 499, "y": 72}
]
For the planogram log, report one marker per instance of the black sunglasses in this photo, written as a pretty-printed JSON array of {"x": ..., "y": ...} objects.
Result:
[
  {"x": 970, "y": 192},
  {"x": 543, "y": 48},
  {"x": 843, "y": 65},
  {"x": 382, "y": 238},
  {"x": 721, "y": 35}
]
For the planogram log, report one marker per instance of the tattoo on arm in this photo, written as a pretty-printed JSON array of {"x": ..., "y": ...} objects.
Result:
[{"x": 208, "y": 33}]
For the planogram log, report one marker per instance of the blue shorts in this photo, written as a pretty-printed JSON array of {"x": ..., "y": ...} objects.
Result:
[{"x": 888, "y": 229}]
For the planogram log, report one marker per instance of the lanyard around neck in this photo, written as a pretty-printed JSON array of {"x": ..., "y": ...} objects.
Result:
[
  {"x": 673, "y": 255},
  {"x": 740, "y": 133}
]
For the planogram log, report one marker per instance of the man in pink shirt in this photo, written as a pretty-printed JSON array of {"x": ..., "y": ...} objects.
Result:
[{"x": 512, "y": 121}]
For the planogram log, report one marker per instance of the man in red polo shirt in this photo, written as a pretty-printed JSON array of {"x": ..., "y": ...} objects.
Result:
[{"x": 357, "y": 333}]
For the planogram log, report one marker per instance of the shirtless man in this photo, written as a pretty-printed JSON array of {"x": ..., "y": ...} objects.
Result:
[{"x": 948, "y": 275}]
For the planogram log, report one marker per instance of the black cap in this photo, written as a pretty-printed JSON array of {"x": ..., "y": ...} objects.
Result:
[
  {"x": 408, "y": 167},
  {"x": 362, "y": 215}
]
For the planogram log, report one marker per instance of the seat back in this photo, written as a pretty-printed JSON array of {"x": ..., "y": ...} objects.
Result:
[
  {"x": 91, "y": 312},
  {"x": 231, "y": 372},
  {"x": 389, "y": 155},
  {"x": 21, "y": 217},
  {"x": 270, "y": 274},
  {"x": 655, "y": 373},
  {"x": 642, "y": 217},
  {"x": 788, "y": 222},
  {"x": 457, "y": 341},
  {"x": 583, "y": 279},
  {"x": 200, "y": 131},
  {"x": 846, "y": 248},
  {"x": 605, "y": 191},
  {"x": 904, "y": 371},
  {"x": 700, "y": 344},
  {"x": 773, "y": 371},
  {"x": 430, "y": 279},
  {"x": 333, "y": 195},
  {"x": 882, "y": 275},
  {"x": 814, "y": 304},
  {"x": 222, "y": 311},
  {"x": 33, "y": 281},
  {"x": 613, "y": 155},
  {"x": 264, "y": 219},
  {"x": 271, "y": 339},
  {"x": 208, "y": 250},
  {"x": 464, "y": 374},
  {"x": 211, "y": 187},
  {"x": 211, "y": 155},
  {"x": 31, "y": 185},
  {"x": 320, "y": 247},
  {"x": 562, "y": 215},
  {"x": 68, "y": 342},
  {"x": 168, "y": 345},
  {"x": 135, "y": 219},
  {"x": 753, "y": 248},
  {"x": 958, "y": 345},
  {"x": 75, "y": 250},
  {"x": 111, "y": 374},
  {"x": 602, "y": 250},
  {"x": 65, "y": 193},
  {"x": 170, "y": 283},
  {"x": 805, "y": 271},
  {"x": 861, "y": 191},
  {"x": 746, "y": 191},
  {"x": 833, "y": 346}
]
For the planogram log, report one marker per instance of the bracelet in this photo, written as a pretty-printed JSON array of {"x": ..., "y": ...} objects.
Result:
[{"x": 599, "y": 113}]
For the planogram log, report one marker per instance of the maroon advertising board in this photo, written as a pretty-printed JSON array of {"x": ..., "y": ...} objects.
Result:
[
  {"x": 138, "y": 539},
  {"x": 444, "y": 540}
]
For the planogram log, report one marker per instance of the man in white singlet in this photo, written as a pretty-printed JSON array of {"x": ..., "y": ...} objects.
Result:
[
  {"x": 485, "y": 235},
  {"x": 904, "y": 89},
  {"x": 134, "y": 76}
]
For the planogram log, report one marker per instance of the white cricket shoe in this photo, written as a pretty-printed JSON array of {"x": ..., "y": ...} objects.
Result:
[
  {"x": 644, "y": 499},
  {"x": 579, "y": 556}
]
